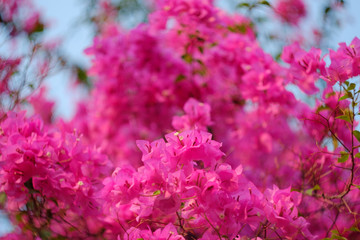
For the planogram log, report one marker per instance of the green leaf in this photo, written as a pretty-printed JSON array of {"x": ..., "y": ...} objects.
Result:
[
  {"x": 354, "y": 229},
  {"x": 157, "y": 192},
  {"x": 18, "y": 216},
  {"x": 344, "y": 157},
  {"x": 201, "y": 49},
  {"x": 357, "y": 155},
  {"x": 265, "y": 3},
  {"x": 2, "y": 198},
  {"x": 321, "y": 108},
  {"x": 310, "y": 191},
  {"x": 346, "y": 95},
  {"x": 344, "y": 117},
  {"x": 240, "y": 5},
  {"x": 351, "y": 86},
  {"x": 278, "y": 57},
  {"x": 82, "y": 75},
  {"x": 327, "y": 10},
  {"x": 39, "y": 27},
  {"x": 187, "y": 58},
  {"x": 200, "y": 62},
  {"x": 334, "y": 141},
  {"x": 238, "y": 28},
  {"x": 336, "y": 235},
  {"x": 45, "y": 234},
  {"x": 179, "y": 78},
  {"x": 357, "y": 134}
]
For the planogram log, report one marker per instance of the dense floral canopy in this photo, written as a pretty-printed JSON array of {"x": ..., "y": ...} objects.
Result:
[{"x": 190, "y": 132}]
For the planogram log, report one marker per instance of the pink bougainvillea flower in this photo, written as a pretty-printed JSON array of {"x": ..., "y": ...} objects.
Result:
[{"x": 290, "y": 11}]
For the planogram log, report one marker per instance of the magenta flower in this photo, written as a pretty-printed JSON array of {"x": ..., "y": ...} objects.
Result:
[{"x": 290, "y": 11}]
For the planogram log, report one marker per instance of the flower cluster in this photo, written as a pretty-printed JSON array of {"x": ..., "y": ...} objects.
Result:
[
  {"x": 48, "y": 171},
  {"x": 247, "y": 159},
  {"x": 186, "y": 181}
]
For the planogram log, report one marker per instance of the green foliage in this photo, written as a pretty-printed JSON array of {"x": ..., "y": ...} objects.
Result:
[
  {"x": 82, "y": 75},
  {"x": 335, "y": 235},
  {"x": 311, "y": 190},
  {"x": 187, "y": 58},
  {"x": 345, "y": 118},
  {"x": 357, "y": 135},
  {"x": 157, "y": 192},
  {"x": 344, "y": 157}
]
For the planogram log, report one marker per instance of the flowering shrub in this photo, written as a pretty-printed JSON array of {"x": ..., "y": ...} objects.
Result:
[{"x": 190, "y": 132}]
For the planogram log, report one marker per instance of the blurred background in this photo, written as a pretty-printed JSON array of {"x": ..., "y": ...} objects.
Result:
[{"x": 68, "y": 22}]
